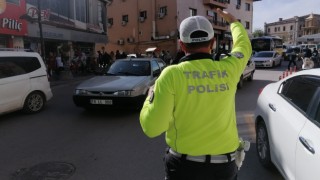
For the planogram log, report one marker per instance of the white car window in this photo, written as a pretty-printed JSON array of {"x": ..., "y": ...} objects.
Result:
[{"x": 299, "y": 92}]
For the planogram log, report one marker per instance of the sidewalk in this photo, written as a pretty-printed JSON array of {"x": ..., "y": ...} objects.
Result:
[{"x": 67, "y": 76}]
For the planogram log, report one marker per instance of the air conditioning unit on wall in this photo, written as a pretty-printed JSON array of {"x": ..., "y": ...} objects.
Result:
[
  {"x": 123, "y": 23},
  {"x": 161, "y": 15},
  {"x": 238, "y": 6},
  {"x": 141, "y": 19},
  {"x": 130, "y": 40},
  {"x": 121, "y": 42}
]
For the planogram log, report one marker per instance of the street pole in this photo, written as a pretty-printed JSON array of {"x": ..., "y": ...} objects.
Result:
[{"x": 40, "y": 29}]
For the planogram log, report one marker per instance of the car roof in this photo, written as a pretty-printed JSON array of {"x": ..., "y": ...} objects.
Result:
[
  {"x": 19, "y": 53},
  {"x": 311, "y": 72},
  {"x": 267, "y": 51},
  {"x": 138, "y": 59}
]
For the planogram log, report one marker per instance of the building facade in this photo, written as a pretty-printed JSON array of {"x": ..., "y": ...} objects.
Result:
[
  {"x": 79, "y": 25},
  {"x": 136, "y": 25},
  {"x": 293, "y": 29}
]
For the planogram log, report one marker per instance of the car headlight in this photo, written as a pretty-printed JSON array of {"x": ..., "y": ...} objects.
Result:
[
  {"x": 80, "y": 92},
  {"x": 122, "y": 93}
]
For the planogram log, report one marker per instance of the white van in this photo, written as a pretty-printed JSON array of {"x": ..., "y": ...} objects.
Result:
[
  {"x": 310, "y": 46},
  {"x": 23, "y": 82}
]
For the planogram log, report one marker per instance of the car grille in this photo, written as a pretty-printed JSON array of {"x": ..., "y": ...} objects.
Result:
[{"x": 100, "y": 93}]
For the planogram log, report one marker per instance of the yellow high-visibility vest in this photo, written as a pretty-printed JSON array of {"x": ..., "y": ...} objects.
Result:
[{"x": 194, "y": 101}]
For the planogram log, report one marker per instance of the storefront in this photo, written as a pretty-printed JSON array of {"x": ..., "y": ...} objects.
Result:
[{"x": 12, "y": 27}]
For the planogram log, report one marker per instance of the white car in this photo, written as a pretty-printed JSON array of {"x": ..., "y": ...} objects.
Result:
[
  {"x": 124, "y": 84},
  {"x": 267, "y": 59},
  {"x": 287, "y": 119},
  {"x": 247, "y": 73},
  {"x": 23, "y": 82}
]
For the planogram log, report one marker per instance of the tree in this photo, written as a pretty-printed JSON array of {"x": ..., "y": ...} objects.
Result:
[{"x": 258, "y": 32}]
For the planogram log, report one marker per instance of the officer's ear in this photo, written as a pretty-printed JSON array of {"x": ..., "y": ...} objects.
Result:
[
  {"x": 212, "y": 43},
  {"x": 182, "y": 46}
]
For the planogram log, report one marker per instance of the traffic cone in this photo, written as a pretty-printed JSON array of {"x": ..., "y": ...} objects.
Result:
[
  {"x": 295, "y": 69},
  {"x": 290, "y": 70},
  {"x": 287, "y": 73}
]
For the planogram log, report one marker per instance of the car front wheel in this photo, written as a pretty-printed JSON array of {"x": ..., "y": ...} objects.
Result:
[
  {"x": 250, "y": 78},
  {"x": 34, "y": 103},
  {"x": 240, "y": 83},
  {"x": 262, "y": 145}
]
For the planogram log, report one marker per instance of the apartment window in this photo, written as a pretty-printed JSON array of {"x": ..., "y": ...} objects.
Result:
[
  {"x": 81, "y": 10},
  {"x": 227, "y": 1},
  {"x": 143, "y": 14},
  {"x": 125, "y": 18},
  {"x": 268, "y": 30},
  {"x": 239, "y": 2},
  {"x": 284, "y": 28},
  {"x": 278, "y": 28},
  {"x": 275, "y": 29},
  {"x": 193, "y": 12},
  {"x": 110, "y": 21},
  {"x": 247, "y": 25},
  {"x": 163, "y": 10},
  {"x": 291, "y": 27},
  {"x": 248, "y": 7}
]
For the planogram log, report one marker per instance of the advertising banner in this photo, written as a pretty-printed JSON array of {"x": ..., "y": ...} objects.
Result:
[{"x": 10, "y": 21}]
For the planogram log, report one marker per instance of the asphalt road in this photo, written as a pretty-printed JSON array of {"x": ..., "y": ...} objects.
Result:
[{"x": 66, "y": 142}]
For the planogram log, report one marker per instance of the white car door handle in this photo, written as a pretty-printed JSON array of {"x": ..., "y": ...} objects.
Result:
[
  {"x": 271, "y": 106},
  {"x": 306, "y": 144}
]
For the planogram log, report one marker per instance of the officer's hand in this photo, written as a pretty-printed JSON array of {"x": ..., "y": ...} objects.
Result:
[{"x": 227, "y": 16}]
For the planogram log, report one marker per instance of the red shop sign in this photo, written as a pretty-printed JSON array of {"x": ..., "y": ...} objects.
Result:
[{"x": 10, "y": 22}]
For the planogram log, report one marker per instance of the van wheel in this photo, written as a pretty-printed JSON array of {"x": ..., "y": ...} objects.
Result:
[
  {"x": 240, "y": 83},
  {"x": 34, "y": 103}
]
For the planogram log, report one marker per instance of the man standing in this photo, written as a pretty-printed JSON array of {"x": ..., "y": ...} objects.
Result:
[
  {"x": 292, "y": 59},
  {"x": 194, "y": 103}
]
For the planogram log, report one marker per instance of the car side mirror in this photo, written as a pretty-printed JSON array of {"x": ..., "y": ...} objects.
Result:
[{"x": 156, "y": 73}]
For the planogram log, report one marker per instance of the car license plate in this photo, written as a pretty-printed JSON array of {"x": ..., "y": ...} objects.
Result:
[{"x": 101, "y": 101}]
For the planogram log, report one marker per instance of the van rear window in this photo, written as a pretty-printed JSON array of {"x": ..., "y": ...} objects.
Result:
[{"x": 13, "y": 66}]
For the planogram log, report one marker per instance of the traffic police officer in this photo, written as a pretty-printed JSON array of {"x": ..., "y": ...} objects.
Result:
[{"x": 194, "y": 103}]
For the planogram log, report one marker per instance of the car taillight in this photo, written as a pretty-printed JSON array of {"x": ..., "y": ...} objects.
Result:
[{"x": 260, "y": 90}]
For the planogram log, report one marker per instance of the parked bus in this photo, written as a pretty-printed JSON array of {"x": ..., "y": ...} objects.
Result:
[{"x": 267, "y": 43}]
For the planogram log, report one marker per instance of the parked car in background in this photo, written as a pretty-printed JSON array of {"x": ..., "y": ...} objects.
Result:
[
  {"x": 23, "y": 82},
  {"x": 124, "y": 84},
  {"x": 267, "y": 59},
  {"x": 287, "y": 120},
  {"x": 247, "y": 73}
]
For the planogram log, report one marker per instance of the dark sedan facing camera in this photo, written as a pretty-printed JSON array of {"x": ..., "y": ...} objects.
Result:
[{"x": 124, "y": 84}]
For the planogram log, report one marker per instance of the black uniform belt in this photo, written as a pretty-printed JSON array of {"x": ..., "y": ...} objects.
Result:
[{"x": 224, "y": 158}]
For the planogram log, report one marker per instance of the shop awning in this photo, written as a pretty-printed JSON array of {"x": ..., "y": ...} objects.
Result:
[
  {"x": 151, "y": 49},
  {"x": 312, "y": 37}
]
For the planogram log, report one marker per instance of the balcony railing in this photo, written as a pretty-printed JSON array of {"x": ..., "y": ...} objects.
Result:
[
  {"x": 216, "y": 3},
  {"x": 219, "y": 24}
]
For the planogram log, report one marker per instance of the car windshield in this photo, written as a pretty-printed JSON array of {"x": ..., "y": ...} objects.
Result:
[
  {"x": 264, "y": 54},
  {"x": 129, "y": 68}
]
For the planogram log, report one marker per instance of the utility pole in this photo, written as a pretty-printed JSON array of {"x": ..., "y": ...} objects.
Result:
[{"x": 40, "y": 29}]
